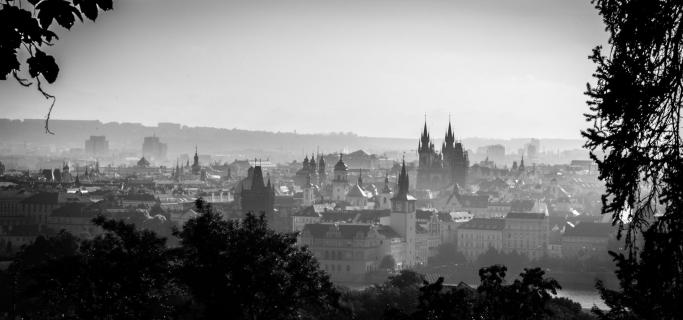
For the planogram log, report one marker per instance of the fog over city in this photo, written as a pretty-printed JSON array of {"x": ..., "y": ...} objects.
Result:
[{"x": 501, "y": 69}]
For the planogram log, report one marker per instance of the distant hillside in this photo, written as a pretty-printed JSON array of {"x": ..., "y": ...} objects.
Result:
[{"x": 182, "y": 139}]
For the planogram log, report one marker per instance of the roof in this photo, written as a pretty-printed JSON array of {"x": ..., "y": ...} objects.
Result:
[
  {"x": 139, "y": 197},
  {"x": 42, "y": 198},
  {"x": 307, "y": 212},
  {"x": 589, "y": 229},
  {"x": 388, "y": 232},
  {"x": 346, "y": 231},
  {"x": 424, "y": 214},
  {"x": 356, "y": 192},
  {"x": 474, "y": 201},
  {"x": 484, "y": 224},
  {"x": 525, "y": 215},
  {"x": 522, "y": 205}
]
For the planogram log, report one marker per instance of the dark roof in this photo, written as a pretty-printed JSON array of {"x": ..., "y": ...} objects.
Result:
[
  {"x": 473, "y": 201},
  {"x": 139, "y": 197},
  {"x": 336, "y": 216},
  {"x": 42, "y": 198},
  {"x": 525, "y": 215},
  {"x": 524, "y": 205},
  {"x": 388, "y": 232},
  {"x": 347, "y": 231},
  {"x": 307, "y": 212},
  {"x": 423, "y": 214},
  {"x": 589, "y": 229},
  {"x": 484, "y": 224},
  {"x": 445, "y": 216}
]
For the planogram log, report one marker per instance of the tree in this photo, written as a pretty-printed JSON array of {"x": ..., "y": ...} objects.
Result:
[
  {"x": 122, "y": 274},
  {"x": 447, "y": 254},
  {"x": 636, "y": 141},
  {"x": 27, "y": 31},
  {"x": 247, "y": 271}
]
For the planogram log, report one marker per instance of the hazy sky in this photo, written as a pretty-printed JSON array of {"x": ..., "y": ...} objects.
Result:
[{"x": 501, "y": 68}]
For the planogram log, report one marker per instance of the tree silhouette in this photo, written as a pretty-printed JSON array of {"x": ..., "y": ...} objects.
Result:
[
  {"x": 247, "y": 271},
  {"x": 636, "y": 141},
  {"x": 25, "y": 30},
  {"x": 122, "y": 274}
]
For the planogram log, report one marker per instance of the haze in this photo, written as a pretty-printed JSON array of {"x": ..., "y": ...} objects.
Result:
[{"x": 500, "y": 68}]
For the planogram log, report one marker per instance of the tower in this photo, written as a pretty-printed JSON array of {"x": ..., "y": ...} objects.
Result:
[
  {"x": 403, "y": 216},
  {"x": 322, "y": 175},
  {"x": 309, "y": 193},
  {"x": 384, "y": 197},
  {"x": 195, "y": 164},
  {"x": 313, "y": 170},
  {"x": 340, "y": 183},
  {"x": 259, "y": 197}
]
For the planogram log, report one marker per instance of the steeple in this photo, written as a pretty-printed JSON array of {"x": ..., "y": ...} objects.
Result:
[
  {"x": 402, "y": 201},
  {"x": 424, "y": 138},
  {"x": 521, "y": 164},
  {"x": 387, "y": 188},
  {"x": 450, "y": 137},
  {"x": 311, "y": 163}
]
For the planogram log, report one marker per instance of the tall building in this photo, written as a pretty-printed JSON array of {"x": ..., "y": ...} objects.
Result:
[
  {"x": 196, "y": 168},
  {"x": 153, "y": 149},
  {"x": 340, "y": 182},
  {"x": 403, "y": 219},
  {"x": 440, "y": 170},
  {"x": 322, "y": 174},
  {"x": 496, "y": 153},
  {"x": 97, "y": 145},
  {"x": 259, "y": 197}
]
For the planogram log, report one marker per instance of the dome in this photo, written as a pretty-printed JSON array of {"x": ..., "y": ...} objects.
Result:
[{"x": 340, "y": 166}]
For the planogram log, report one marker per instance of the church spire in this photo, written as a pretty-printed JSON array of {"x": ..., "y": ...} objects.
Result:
[{"x": 450, "y": 137}]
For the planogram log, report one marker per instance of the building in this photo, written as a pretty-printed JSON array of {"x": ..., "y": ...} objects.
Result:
[
  {"x": 526, "y": 233},
  {"x": 384, "y": 197},
  {"x": 476, "y": 236},
  {"x": 403, "y": 220},
  {"x": 585, "y": 240},
  {"x": 440, "y": 170},
  {"x": 153, "y": 149},
  {"x": 97, "y": 146},
  {"x": 306, "y": 216},
  {"x": 259, "y": 197},
  {"x": 346, "y": 251},
  {"x": 340, "y": 182},
  {"x": 196, "y": 168}
]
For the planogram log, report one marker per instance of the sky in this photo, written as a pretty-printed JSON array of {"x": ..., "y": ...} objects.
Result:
[{"x": 498, "y": 68}]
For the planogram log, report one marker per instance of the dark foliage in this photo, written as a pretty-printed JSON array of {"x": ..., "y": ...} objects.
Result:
[
  {"x": 122, "y": 274},
  {"x": 25, "y": 31},
  {"x": 636, "y": 141},
  {"x": 247, "y": 271}
]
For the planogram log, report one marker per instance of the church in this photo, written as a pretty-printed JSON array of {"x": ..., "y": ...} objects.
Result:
[{"x": 436, "y": 170}]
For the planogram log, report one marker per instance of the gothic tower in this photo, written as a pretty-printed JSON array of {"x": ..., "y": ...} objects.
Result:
[{"x": 340, "y": 183}]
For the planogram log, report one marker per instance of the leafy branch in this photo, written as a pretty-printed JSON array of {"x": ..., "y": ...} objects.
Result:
[{"x": 27, "y": 33}]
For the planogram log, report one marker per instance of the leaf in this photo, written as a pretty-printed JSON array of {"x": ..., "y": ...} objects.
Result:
[
  {"x": 105, "y": 4},
  {"x": 8, "y": 62},
  {"x": 43, "y": 64},
  {"x": 60, "y": 10},
  {"x": 88, "y": 7}
]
